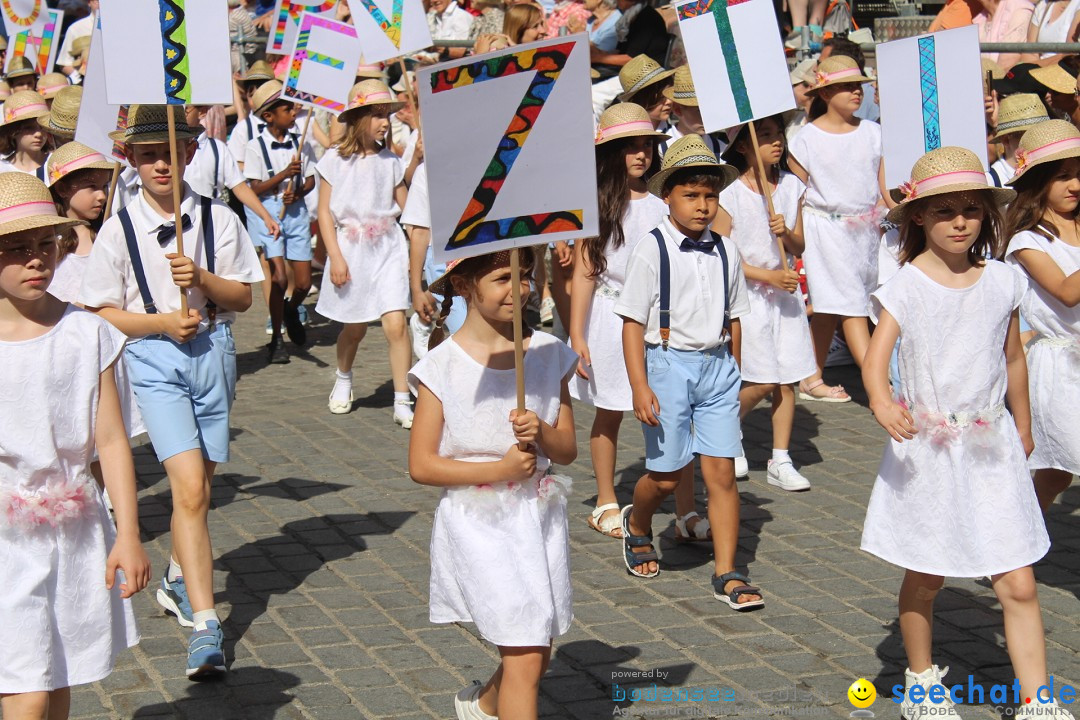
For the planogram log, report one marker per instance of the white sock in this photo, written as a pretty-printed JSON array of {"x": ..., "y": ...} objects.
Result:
[
  {"x": 174, "y": 570},
  {"x": 342, "y": 386},
  {"x": 201, "y": 617},
  {"x": 402, "y": 397},
  {"x": 780, "y": 456}
]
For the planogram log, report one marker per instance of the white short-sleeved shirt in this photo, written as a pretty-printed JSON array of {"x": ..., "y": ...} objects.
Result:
[
  {"x": 697, "y": 289},
  {"x": 207, "y": 173},
  {"x": 363, "y": 186},
  {"x": 7, "y": 166},
  {"x": 280, "y": 157},
  {"x": 417, "y": 210},
  {"x": 77, "y": 29},
  {"x": 454, "y": 23},
  {"x": 109, "y": 280},
  {"x": 242, "y": 133}
]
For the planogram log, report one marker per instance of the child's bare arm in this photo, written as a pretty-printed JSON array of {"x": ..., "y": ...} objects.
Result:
[
  {"x": 736, "y": 341},
  {"x": 646, "y": 406},
  {"x": 1045, "y": 271},
  {"x": 558, "y": 441},
  {"x": 226, "y": 294},
  {"x": 139, "y": 324},
  {"x": 1017, "y": 391},
  {"x": 895, "y": 418}
]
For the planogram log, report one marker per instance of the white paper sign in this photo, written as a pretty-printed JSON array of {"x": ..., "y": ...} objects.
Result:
[
  {"x": 522, "y": 171},
  {"x": 97, "y": 118},
  {"x": 38, "y": 42},
  {"x": 168, "y": 51},
  {"x": 390, "y": 28},
  {"x": 736, "y": 59},
  {"x": 931, "y": 96},
  {"x": 286, "y": 19},
  {"x": 324, "y": 60}
]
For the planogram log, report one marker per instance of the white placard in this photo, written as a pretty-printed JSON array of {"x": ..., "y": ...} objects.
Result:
[
  {"x": 931, "y": 90},
  {"x": 38, "y": 42},
  {"x": 536, "y": 97},
  {"x": 190, "y": 36},
  {"x": 97, "y": 118},
  {"x": 736, "y": 59},
  {"x": 286, "y": 19},
  {"x": 390, "y": 28},
  {"x": 323, "y": 67}
]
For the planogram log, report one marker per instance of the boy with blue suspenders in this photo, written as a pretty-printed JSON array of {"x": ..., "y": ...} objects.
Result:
[
  {"x": 681, "y": 303},
  {"x": 183, "y": 369}
]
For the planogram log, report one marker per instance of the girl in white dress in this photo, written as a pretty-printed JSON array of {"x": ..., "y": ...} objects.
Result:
[
  {"x": 838, "y": 157},
  {"x": 953, "y": 496},
  {"x": 777, "y": 351},
  {"x": 361, "y": 194},
  {"x": 499, "y": 544},
  {"x": 625, "y": 148},
  {"x": 64, "y": 602},
  {"x": 1046, "y": 245},
  {"x": 24, "y": 144}
]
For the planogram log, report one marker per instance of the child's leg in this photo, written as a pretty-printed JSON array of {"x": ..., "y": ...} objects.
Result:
[
  {"x": 719, "y": 474},
  {"x": 783, "y": 416},
  {"x": 397, "y": 336},
  {"x": 684, "y": 497},
  {"x": 857, "y": 335},
  {"x": 822, "y": 328},
  {"x": 1049, "y": 484},
  {"x": 650, "y": 491},
  {"x": 603, "y": 440},
  {"x": 189, "y": 479},
  {"x": 518, "y": 691},
  {"x": 301, "y": 281},
  {"x": 1024, "y": 638},
  {"x": 917, "y": 594},
  {"x": 347, "y": 342},
  {"x": 488, "y": 699},
  {"x": 279, "y": 282},
  {"x": 560, "y": 290},
  {"x": 751, "y": 395},
  {"x": 55, "y": 705}
]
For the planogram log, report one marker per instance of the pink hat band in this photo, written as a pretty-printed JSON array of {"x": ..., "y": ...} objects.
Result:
[
  {"x": 823, "y": 78},
  {"x": 25, "y": 210},
  {"x": 620, "y": 128},
  {"x": 1025, "y": 158},
  {"x": 53, "y": 88},
  {"x": 369, "y": 68},
  {"x": 59, "y": 171},
  {"x": 17, "y": 113},
  {"x": 361, "y": 100},
  {"x": 913, "y": 191}
]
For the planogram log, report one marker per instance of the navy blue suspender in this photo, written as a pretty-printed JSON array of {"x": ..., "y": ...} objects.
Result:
[
  {"x": 665, "y": 286},
  {"x": 217, "y": 162}
]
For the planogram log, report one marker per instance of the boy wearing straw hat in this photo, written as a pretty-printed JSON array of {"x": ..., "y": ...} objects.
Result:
[
  {"x": 1016, "y": 114},
  {"x": 183, "y": 369},
  {"x": 280, "y": 180},
  {"x": 684, "y": 106},
  {"x": 249, "y": 125},
  {"x": 681, "y": 302}
]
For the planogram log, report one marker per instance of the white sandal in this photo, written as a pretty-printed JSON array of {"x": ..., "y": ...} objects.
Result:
[
  {"x": 612, "y": 526},
  {"x": 836, "y": 393},
  {"x": 702, "y": 532}
]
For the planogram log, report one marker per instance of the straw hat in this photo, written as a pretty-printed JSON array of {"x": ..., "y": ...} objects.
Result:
[
  {"x": 374, "y": 72},
  {"x": 442, "y": 286},
  {"x": 945, "y": 170},
  {"x": 1055, "y": 78},
  {"x": 834, "y": 70},
  {"x": 638, "y": 74},
  {"x": 1046, "y": 142},
  {"x": 26, "y": 204},
  {"x": 52, "y": 83},
  {"x": 265, "y": 97},
  {"x": 5, "y": 89},
  {"x": 73, "y": 156},
  {"x": 24, "y": 105},
  {"x": 79, "y": 46},
  {"x": 687, "y": 152},
  {"x": 19, "y": 67},
  {"x": 260, "y": 70},
  {"x": 3, "y": 43},
  {"x": 989, "y": 66},
  {"x": 367, "y": 93},
  {"x": 150, "y": 124},
  {"x": 682, "y": 91},
  {"x": 64, "y": 115},
  {"x": 1018, "y": 113},
  {"x": 625, "y": 120}
]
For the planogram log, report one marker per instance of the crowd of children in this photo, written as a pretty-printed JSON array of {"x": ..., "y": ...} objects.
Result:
[{"x": 686, "y": 309}]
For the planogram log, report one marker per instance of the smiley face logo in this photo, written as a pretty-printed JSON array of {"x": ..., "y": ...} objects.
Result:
[{"x": 862, "y": 694}]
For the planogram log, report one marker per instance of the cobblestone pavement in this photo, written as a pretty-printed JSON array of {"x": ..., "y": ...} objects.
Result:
[{"x": 321, "y": 543}]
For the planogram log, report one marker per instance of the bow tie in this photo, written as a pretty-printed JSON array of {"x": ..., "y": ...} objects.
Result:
[
  {"x": 168, "y": 232},
  {"x": 275, "y": 145},
  {"x": 705, "y": 246}
]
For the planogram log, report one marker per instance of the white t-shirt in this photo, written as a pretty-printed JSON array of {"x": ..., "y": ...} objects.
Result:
[
  {"x": 1004, "y": 172},
  {"x": 363, "y": 187},
  {"x": 697, "y": 289},
  {"x": 280, "y": 157},
  {"x": 207, "y": 174},
  {"x": 417, "y": 211},
  {"x": 109, "y": 280}
]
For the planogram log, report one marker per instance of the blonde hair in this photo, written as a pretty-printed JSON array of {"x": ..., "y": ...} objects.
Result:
[{"x": 520, "y": 18}]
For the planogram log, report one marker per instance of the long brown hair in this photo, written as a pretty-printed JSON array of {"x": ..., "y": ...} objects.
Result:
[
  {"x": 355, "y": 139},
  {"x": 520, "y": 18},
  {"x": 613, "y": 196},
  {"x": 989, "y": 243},
  {"x": 1028, "y": 211}
]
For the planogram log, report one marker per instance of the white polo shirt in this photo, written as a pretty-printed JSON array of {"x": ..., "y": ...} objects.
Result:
[
  {"x": 110, "y": 281},
  {"x": 417, "y": 212},
  {"x": 280, "y": 157},
  {"x": 242, "y": 133},
  {"x": 453, "y": 24},
  {"x": 697, "y": 291},
  {"x": 208, "y": 174}
]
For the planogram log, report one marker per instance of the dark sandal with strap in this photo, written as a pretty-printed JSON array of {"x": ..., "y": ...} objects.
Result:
[
  {"x": 732, "y": 598},
  {"x": 631, "y": 558}
]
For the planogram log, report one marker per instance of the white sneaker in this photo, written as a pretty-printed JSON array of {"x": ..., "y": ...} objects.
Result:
[
  {"x": 403, "y": 414},
  {"x": 1043, "y": 711},
  {"x": 467, "y": 704},
  {"x": 784, "y": 476},
  {"x": 927, "y": 710},
  {"x": 547, "y": 311},
  {"x": 420, "y": 332},
  {"x": 742, "y": 467}
]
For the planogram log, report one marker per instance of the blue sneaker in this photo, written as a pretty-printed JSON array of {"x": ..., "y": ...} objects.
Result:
[
  {"x": 303, "y": 313},
  {"x": 206, "y": 658},
  {"x": 173, "y": 597}
]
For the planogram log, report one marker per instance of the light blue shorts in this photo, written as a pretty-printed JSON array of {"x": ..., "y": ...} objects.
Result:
[
  {"x": 294, "y": 242},
  {"x": 458, "y": 309},
  {"x": 185, "y": 391},
  {"x": 698, "y": 392}
]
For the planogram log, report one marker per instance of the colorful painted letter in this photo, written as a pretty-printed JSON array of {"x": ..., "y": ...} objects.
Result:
[
  {"x": 324, "y": 62},
  {"x": 287, "y": 19},
  {"x": 405, "y": 31}
]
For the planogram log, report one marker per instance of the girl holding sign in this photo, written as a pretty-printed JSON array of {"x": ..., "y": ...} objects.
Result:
[
  {"x": 367, "y": 272},
  {"x": 838, "y": 156}
]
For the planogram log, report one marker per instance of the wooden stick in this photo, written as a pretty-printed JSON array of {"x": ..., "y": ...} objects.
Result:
[
  {"x": 519, "y": 337},
  {"x": 178, "y": 198},
  {"x": 408, "y": 89},
  {"x": 766, "y": 190},
  {"x": 112, "y": 188},
  {"x": 299, "y": 152}
]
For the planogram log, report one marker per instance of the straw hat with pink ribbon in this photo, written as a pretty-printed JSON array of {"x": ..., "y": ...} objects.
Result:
[
  {"x": 941, "y": 171},
  {"x": 24, "y": 105},
  {"x": 369, "y": 93},
  {"x": 369, "y": 70},
  {"x": 835, "y": 70},
  {"x": 1046, "y": 142},
  {"x": 26, "y": 204},
  {"x": 71, "y": 157},
  {"x": 51, "y": 83},
  {"x": 625, "y": 120}
]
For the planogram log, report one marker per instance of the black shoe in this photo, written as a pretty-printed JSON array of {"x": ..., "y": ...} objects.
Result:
[
  {"x": 276, "y": 353},
  {"x": 293, "y": 325}
]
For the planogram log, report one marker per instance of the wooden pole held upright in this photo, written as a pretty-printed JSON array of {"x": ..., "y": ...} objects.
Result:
[
  {"x": 766, "y": 190},
  {"x": 112, "y": 188},
  {"x": 178, "y": 197},
  {"x": 299, "y": 152},
  {"x": 413, "y": 106},
  {"x": 519, "y": 337}
]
